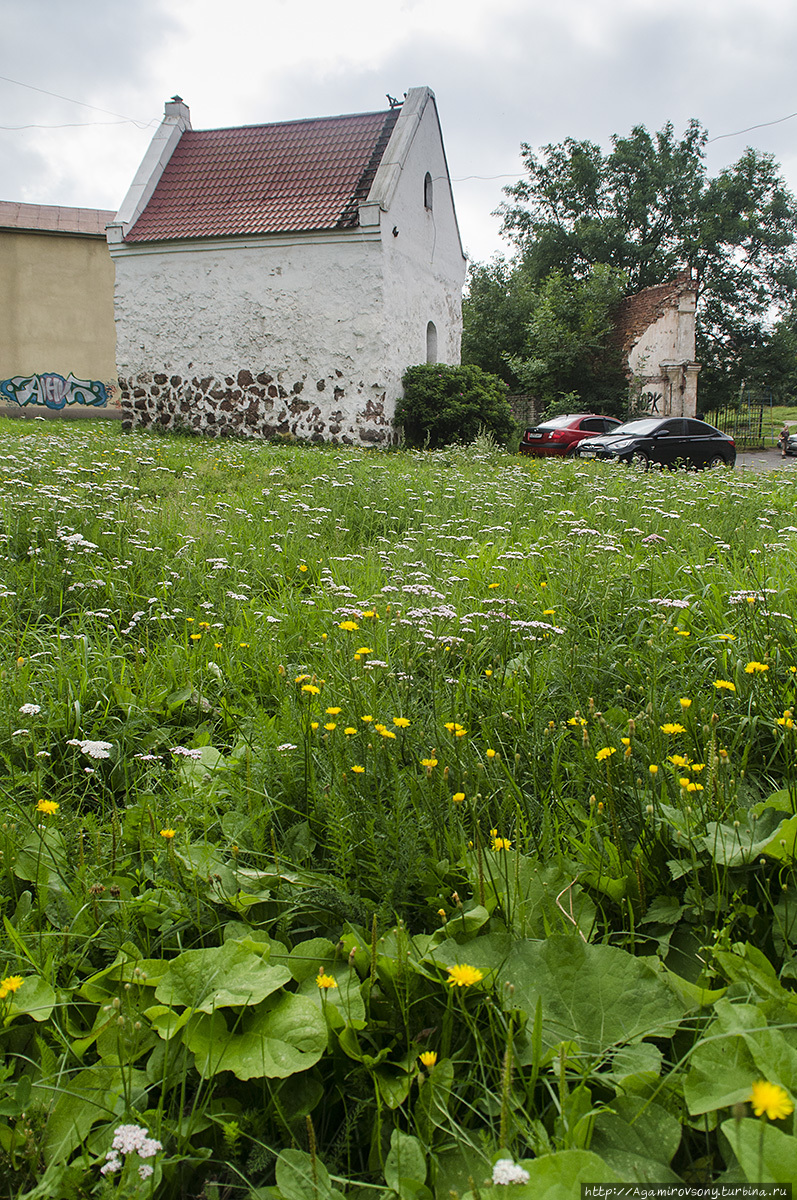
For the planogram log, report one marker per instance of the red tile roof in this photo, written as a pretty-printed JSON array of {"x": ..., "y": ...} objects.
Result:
[
  {"x": 49, "y": 218},
  {"x": 293, "y": 177}
]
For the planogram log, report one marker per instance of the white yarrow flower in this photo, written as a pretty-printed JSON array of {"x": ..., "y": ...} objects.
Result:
[
  {"x": 505, "y": 1171},
  {"x": 30, "y": 710},
  {"x": 92, "y": 749}
]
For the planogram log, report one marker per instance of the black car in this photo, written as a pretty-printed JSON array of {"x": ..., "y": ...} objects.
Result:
[
  {"x": 667, "y": 441},
  {"x": 791, "y": 445}
]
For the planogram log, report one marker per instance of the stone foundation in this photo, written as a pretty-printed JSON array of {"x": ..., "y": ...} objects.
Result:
[{"x": 261, "y": 406}]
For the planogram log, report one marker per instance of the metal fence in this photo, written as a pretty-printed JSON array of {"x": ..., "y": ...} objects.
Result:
[{"x": 749, "y": 420}]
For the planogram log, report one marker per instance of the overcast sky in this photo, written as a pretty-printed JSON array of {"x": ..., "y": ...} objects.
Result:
[{"x": 503, "y": 71}]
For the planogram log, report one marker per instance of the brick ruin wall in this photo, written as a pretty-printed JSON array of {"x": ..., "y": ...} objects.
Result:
[{"x": 260, "y": 406}]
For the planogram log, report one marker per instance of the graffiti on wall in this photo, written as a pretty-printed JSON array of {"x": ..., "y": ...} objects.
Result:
[{"x": 53, "y": 391}]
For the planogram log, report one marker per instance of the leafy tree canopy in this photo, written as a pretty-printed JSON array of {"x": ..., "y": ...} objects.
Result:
[{"x": 648, "y": 208}]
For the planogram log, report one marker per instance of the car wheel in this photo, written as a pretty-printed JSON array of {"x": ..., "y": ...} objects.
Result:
[
  {"x": 639, "y": 461},
  {"x": 717, "y": 461}
]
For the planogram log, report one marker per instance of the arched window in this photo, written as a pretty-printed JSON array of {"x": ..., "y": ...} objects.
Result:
[
  {"x": 431, "y": 342},
  {"x": 427, "y": 191}
]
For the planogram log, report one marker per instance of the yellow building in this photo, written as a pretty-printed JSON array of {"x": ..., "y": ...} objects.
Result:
[{"x": 57, "y": 334}]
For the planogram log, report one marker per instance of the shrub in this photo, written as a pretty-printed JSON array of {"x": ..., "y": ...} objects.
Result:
[{"x": 444, "y": 404}]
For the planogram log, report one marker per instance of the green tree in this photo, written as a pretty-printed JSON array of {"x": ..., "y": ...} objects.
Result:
[
  {"x": 648, "y": 209},
  {"x": 571, "y": 355}
]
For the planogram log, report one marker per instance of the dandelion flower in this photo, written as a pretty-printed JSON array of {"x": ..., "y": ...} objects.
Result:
[
  {"x": 330, "y": 725},
  {"x": 333, "y": 712},
  {"x": 654, "y": 770},
  {"x": 685, "y": 702},
  {"x": 756, "y": 668},
  {"x": 770, "y": 1100},
  {"x": 311, "y": 689},
  {"x": 358, "y": 770},
  {"x": 606, "y": 752},
  {"x": 427, "y": 1059},
  {"x": 351, "y": 626},
  {"x": 490, "y": 753},
  {"x": 724, "y": 685},
  {"x": 9, "y": 985},
  {"x": 500, "y": 843},
  {"x": 462, "y": 975},
  {"x": 48, "y": 807},
  {"x": 400, "y": 722},
  {"x": 349, "y": 730},
  {"x": 458, "y": 797},
  {"x": 167, "y": 833},
  {"x": 365, "y": 650},
  {"x": 671, "y": 727},
  {"x": 428, "y": 763},
  {"x": 325, "y": 981},
  {"x": 367, "y": 718}
]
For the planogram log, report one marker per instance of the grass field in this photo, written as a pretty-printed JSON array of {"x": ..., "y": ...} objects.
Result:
[{"x": 392, "y": 823}]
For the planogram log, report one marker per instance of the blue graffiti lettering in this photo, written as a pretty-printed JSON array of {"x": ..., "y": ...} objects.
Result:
[{"x": 53, "y": 391}]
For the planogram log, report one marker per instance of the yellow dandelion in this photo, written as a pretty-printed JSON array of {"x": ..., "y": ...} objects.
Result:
[
  {"x": 685, "y": 702},
  {"x": 500, "y": 843},
  {"x": 428, "y": 763},
  {"x": 9, "y": 985},
  {"x": 330, "y": 725},
  {"x": 671, "y": 727},
  {"x": 48, "y": 807},
  {"x": 427, "y": 1059},
  {"x": 724, "y": 685},
  {"x": 490, "y": 753},
  {"x": 314, "y": 724},
  {"x": 756, "y": 668},
  {"x": 462, "y": 975},
  {"x": 302, "y": 567},
  {"x": 358, "y": 770},
  {"x": 365, "y": 650},
  {"x": 605, "y": 753},
  {"x": 349, "y": 625},
  {"x": 770, "y": 1100},
  {"x": 333, "y": 712},
  {"x": 458, "y": 797},
  {"x": 325, "y": 981},
  {"x": 400, "y": 722},
  {"x": 311, "y": 689},
  {"x": 654, "y": 770},
  {"x": 195, "y": 637},
  {"x": 367, "y": 718},
  {"x": 349, "y": 730},
  {"x": 488, "y": 672},
  {"x": 167, "y": 833}
]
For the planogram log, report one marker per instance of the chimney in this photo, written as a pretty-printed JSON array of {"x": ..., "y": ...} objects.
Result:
[{"x": 177, "y": 110}]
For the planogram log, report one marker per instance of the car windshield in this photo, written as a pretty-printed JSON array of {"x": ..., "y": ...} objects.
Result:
[{"x": 635, "y": 428}]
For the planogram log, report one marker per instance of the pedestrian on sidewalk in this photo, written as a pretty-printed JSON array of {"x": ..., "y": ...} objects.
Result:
[{"x": 783, "y": 440}]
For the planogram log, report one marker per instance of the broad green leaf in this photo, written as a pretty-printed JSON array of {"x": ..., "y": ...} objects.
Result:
[
  {"x": 283, "y": 1035},
  {"x": 595, "y": 996},
  {"x": 766, "y": 1154},
  {"x": 219, "y": 977},
  {"x": 299, "y": 1177},
  {"x": 82, "y": 1100},
  {"x": 308, "y": 958},
  {"x": 34, "y": 999},
  {"x": 747, "y": 964},
  {"x": 405, "y": 1164},
  {"x": 638, "y": 1139}
]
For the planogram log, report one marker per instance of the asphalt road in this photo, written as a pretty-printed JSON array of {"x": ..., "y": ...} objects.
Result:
[{"x": 764, "y": 460}]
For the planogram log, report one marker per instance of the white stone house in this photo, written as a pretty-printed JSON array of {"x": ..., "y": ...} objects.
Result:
[{"x": 279, "y": 279}]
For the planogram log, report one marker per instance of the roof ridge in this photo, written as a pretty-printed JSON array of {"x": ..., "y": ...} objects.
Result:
[{"x": 377, "y": 112}]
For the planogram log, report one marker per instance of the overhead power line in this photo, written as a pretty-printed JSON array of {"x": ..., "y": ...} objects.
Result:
[{"x": 69, "y": 100}]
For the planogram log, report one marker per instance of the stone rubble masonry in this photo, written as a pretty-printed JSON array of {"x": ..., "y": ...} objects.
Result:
[{"x": 259, "y": 405}]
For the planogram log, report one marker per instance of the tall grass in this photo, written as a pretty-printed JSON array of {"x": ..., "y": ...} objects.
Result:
[{"x": 272, "y": 714}]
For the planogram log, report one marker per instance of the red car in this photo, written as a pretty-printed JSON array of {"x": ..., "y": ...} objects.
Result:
[{"x": 561, "y": 435}]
